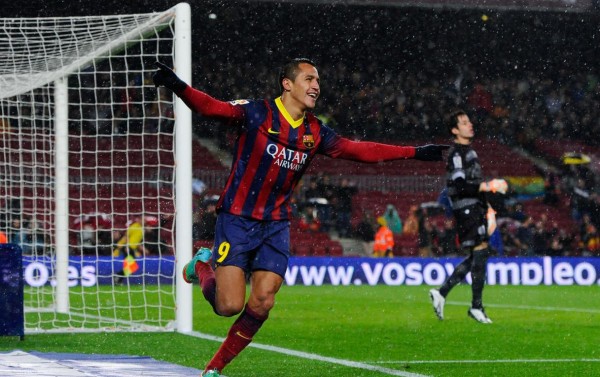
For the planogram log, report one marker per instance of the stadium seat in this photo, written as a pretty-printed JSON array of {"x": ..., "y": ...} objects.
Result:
[
  {"x": 302, "y": 250},
  {"x": 334, "y": 249}
]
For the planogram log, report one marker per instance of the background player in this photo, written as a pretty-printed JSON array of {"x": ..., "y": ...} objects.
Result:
[
  {"x": 277, "y": 140},
  {"x": 466, "y": 189}
]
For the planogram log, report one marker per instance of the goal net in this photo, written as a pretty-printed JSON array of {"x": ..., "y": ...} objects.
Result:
[{"x": 87, "y": 169}]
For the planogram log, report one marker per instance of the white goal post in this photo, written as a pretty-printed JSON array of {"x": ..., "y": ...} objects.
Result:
[{"x": 93, "y": 159}]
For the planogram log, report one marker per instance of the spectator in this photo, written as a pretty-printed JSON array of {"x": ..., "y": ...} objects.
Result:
[
  {"x": 366, "y": 233},
  {"x": 558, "y": 242},
  {"x": 328, "y": 191},
  {"x": 591, "y": 241},
  {"x": 131, "y": 242},
  {"x": 152, "y": 244},
  {"x": 448, "y": 238},
  {"x": 580, "y": 200},
  {"x": 94, "y": 235},
  {"x": 384, "y": 240},
  {"x": 18, "y": 234},
  {"x": 392, "y": 219},
  {"x": 525, "y": 238},
  {"x": 427, "y": 237},
  {"x": 35, "y": 242},
  {"x": 318, "y": 195},
  {"x": 516, "y": 211},
  {"x": 141, "y": 238},
  {"x": 411, "y": 225},
  {"x": 309, "y": 219},
  {"x": 342, "y": 205},
  {"x": 204, "y": 228},
  {"x": 540, "y": 239},
  {"x": 509, "y": 241},
  {"x": 551, "y": 189}
]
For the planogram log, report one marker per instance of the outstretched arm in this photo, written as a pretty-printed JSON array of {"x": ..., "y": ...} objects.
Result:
[
  {"x": 366, "y": 151},
  {"x": 196, "y": 100}
]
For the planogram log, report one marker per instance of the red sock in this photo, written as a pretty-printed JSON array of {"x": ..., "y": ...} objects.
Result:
[
  {"x": 206, "y": 275},
  {"x": 238, "y": 337}
]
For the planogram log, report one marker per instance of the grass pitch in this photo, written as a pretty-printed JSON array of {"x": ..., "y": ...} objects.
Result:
[{"x": 380, "y": 331}]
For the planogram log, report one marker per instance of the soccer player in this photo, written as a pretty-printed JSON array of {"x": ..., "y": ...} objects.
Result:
[
  {"x": 277, "y": 139},
  {"x": 466, "y": 189}
]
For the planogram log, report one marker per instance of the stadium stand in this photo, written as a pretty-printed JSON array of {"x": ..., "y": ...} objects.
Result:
[{"x": 560, "y": 214}]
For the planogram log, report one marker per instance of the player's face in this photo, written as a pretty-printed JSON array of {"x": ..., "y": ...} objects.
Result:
[
  {"x": 305, "y": 89},
  {"x": 463, "y": 132}
]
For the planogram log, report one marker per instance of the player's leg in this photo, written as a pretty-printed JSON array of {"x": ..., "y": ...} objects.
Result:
[
  {"x": 230, "y": 290},
  {"x": 478, "y": 274},
  {"x": 268, "y": 269},
  {"x": 481, "y": 252},
  {"x": 223, "y": 282},
  {"x": 264, "y": 286},
  {"x": 471, "y": 228},
  {"x": 457, "y": 276},
  {"x": 438, "y": 296},
  {"x": 467, "y": 228}
]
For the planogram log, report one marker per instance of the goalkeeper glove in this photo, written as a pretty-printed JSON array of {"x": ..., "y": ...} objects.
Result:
[
  {"x": 430, "y": 152},
  {"x": 167, "y": 78},
  {"x": 495, "y": 185}
]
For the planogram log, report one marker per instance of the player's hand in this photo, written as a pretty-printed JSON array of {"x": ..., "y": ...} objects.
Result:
[
  {"x": 167, "y": 78},
  {"x": 430, "y": 152},
  {"x": 495, "y": 185}
]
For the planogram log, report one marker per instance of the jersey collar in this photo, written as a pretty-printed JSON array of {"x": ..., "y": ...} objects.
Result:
[{"x": 286, "y": 115}]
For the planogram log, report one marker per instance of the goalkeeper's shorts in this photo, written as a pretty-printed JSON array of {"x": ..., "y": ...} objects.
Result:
[
  {"x": 471, "y": 225},
  {"x": 251, "y": 244}
]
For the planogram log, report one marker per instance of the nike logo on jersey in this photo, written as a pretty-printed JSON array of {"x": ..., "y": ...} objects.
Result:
[{"x": 273, "y": 132}]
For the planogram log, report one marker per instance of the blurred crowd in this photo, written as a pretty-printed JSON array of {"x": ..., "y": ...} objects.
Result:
[
  {"x": 410, "y": 105},
  {"x": 387, "y": 74}
]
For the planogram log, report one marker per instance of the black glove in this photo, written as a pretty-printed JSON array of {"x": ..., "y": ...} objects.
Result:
[
  {"x": 430, "y": 152},
  {"x": 167, "y": 78}
]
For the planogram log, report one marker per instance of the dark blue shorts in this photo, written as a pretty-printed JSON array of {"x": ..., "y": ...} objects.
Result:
[{"x": 252, "y": 244}]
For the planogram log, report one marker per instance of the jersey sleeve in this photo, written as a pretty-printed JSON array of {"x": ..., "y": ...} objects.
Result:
[
  {"x": 208, "y": 106},
  {"x": 336, "y": 146}
]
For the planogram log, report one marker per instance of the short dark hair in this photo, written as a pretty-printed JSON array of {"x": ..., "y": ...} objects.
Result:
[
  {"x": 290, "y": 70},
  {"x": 452, "y": 119}
]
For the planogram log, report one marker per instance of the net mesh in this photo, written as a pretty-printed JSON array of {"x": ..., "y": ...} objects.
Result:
[{"x": 120, "y": 167}]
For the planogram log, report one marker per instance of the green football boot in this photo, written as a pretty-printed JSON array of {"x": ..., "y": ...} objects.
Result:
[{"x": 189, "y": 270}]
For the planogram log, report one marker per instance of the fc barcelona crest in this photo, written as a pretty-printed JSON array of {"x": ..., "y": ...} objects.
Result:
[{"x": 308, "y": 141}]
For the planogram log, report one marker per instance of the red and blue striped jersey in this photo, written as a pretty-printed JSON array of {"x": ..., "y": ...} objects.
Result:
[
  {"x": 273, "y": 151},
  {"x": 270, "y": 156}
]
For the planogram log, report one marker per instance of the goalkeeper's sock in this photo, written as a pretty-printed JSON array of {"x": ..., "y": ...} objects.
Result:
[
  {"x": 239, "y": 336},
  {"x": 480, "y": 258},
  {"x": 206, "y": 277}
]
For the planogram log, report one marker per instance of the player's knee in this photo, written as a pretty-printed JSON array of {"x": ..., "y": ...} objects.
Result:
[
  {"x": 262, "y": 303},
  {"x": 229, "y": 308}
]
